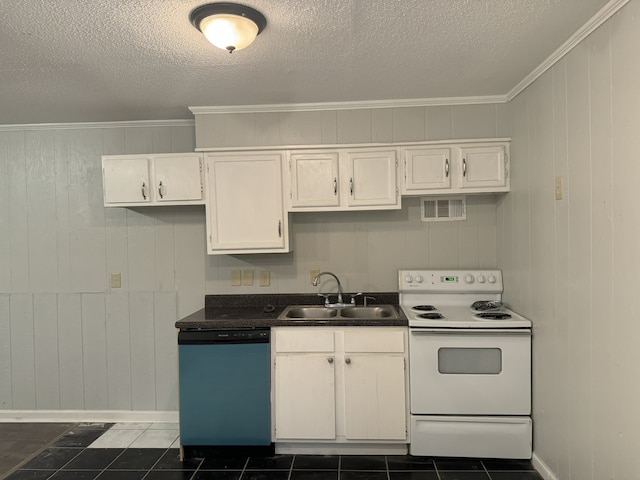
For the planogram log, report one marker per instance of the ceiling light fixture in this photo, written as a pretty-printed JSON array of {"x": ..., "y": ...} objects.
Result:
[{"x": 228, "y": 26}]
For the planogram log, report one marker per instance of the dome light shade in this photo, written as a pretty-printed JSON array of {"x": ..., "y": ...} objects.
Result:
[{"x": 228, "y": 26}]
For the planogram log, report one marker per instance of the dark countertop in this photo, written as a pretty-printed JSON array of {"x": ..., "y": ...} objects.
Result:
[{"x": 248, "y": 311}]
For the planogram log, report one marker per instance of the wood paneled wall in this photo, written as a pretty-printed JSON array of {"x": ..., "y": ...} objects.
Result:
[
  {"x": 572, "y": 265},
  {"x": 70, "y": 342}
]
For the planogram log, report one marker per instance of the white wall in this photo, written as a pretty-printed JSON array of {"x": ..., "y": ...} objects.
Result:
[
  {"x": 573, "y": 265},
  {"x": 69, "y": 342}
]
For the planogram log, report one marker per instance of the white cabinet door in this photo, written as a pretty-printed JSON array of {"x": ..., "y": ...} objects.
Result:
[
  {"x": 178, "y": 177},
  {"x": 374, "y": 390},
  {"x": 158, "y": 179},
  {"x": 305, "y": 397},
  {"x": 314, "y": 179},
  {"x": 372, "y": 178},
  {"x": 483, "y": 167},
  {"x": 245, "y": 210},
  {"x": 426, "y": 169},
  {"x": 126, "y": 179}
]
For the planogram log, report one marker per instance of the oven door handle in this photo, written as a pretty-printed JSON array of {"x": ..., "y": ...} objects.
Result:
[{"x": 464, "y": 331}]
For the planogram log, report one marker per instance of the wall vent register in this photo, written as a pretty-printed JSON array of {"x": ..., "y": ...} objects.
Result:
[{"x": 440, "y": 209}]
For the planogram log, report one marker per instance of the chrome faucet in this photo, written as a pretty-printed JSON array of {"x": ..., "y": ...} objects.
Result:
[{"x": 340, "y": 301}]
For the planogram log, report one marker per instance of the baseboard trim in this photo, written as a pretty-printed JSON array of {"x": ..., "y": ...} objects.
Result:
[
  {"x": 542, "y": 468},
  {"x": 75, "y": 416}
]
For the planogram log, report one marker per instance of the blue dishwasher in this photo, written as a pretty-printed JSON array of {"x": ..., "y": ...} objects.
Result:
[{"x": 225, "y": 379}]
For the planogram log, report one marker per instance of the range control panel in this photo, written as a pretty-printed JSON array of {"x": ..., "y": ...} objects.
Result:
[{"x": 467, "y": 281}]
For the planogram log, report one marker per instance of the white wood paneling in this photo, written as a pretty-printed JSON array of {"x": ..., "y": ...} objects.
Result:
[
  {"x": 18, "y": 220},
  {"x": 354, "y": 126},
  {"x": 86, "y": 211},
  {"x": 580, "y": 256},
  {"x": 166, "y": 348},
  {"x": 143, "y": 371},
  {"x": 6, "y": 393},
  {"x": 23, "y": 372},
  {"x": 439, "y": 123},
  {"x": 581, "y": 283},
  {"x": 5, "y": 216},
  {"x": 70, "y": 352},
  {"x": 602, "y": 420},
  {"x": 625, "y": 105},
  {"x": 61, "y": 245},
  {"x": 119, "y": 346},
  {"x": 474, "y": 121},
  {"x": 47, "y": 368},
  {"x": 62, "y": 214},
  {"x": 409, "y": 124},
  {"x": 41, "y": 211},
  {"x": 94, "y": 351}
]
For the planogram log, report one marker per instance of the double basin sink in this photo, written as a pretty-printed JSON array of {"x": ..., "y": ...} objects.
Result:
[{"x": 315, "y": 312}]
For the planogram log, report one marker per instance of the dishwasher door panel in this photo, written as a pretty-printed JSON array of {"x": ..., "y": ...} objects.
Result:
[{"x": 225, "y": 394}]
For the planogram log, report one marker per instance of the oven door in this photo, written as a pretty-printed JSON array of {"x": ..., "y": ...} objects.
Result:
[{"x": 470, "y": 372}]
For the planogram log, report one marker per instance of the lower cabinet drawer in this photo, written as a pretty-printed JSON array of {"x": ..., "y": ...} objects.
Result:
[{"x": 482, "y": 437}]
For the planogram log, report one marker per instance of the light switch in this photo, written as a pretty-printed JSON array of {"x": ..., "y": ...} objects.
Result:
[
  {"x": 265, "y": 278},
  {"x": 247, "y": 278},
  {"x": 236, "y": 278}
]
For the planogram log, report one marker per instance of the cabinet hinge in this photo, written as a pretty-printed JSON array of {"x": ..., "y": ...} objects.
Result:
[
  {"x": 289, "y": 165},
  {"x": 396, "y": 162}
]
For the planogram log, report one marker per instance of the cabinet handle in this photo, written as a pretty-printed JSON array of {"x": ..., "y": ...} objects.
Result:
[
  {"x": 160, "y": 189},
  {"x": 351, "y": 185},
  {"x": 280, "y": 228},
  {"x": 143, "y": 189},
  {"x": 330, "y": 359},
  {"x": 446, "y": 167},
  {"x": 335, "y": 186},
  {"x": 347, "y": 361},
  {"x": 464, "y": 167}
]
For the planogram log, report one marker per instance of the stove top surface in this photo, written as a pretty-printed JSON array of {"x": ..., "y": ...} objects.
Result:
[{"x": 443, "y": 299}]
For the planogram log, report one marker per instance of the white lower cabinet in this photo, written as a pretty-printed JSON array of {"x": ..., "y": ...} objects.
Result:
[{"x": 339, "y": 385}]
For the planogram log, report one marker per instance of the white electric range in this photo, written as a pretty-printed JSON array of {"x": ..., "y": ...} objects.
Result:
[{"x": 470, "y": 365}]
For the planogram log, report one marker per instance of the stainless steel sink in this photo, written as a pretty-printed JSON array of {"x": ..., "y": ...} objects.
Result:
[
  {"x": 315, "y": 312},
  {"x": 385, "y": 311},
  {"x": 309, "y": 312}
]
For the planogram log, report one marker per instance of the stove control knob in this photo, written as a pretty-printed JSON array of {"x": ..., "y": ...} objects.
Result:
[
  {"x": 480, "y": 278},
  {"x": 408, "y": 278},
  {"x": 469, "y": 279},
  {"x": 419, "y": 278},
  {"x": 492, "y": 279}
]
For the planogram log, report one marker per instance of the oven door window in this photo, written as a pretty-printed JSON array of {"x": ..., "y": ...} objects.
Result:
[{"x": 470, "y": 361}]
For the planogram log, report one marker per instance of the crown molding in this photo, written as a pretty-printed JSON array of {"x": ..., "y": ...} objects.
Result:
[
  {"x": 604, "y": 14},
  {"x": 85, "y": 125},
  {"x": 355, "y": 105}
]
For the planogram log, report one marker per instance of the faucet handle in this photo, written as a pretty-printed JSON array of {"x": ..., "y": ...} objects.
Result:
[
  {"x": 353, "y": 298},
  {"x": 326, "y": 297}
]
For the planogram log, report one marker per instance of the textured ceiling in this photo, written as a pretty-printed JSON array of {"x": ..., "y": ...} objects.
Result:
[{"x": 108, "y": 60}]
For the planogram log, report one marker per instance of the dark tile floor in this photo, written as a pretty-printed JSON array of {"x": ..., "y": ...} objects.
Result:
[{"x": 67, "y": 457}]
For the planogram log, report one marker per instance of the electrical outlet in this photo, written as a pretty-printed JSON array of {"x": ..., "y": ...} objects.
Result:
[
  {"x": 313, "y": 273},
  {"x": 559, "y": 189},
  {"x": 247, "y": 278},
  {"x": 236, "y": 278},
  {"x": 116, "y": 280},
  {"x": 265, "y": 278}
]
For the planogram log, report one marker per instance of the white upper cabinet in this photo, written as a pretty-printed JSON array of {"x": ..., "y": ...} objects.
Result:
[
  {"x": 245, "y": 208},
  {"x": 164, "y": 179},
  {"x": 483, "y": 167},
  {"x": 426, "y": 168},
  {"x": 343, "y": 179},
  {"x": 314, "y": 179},
  {"x": 474, "y": 167}
]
